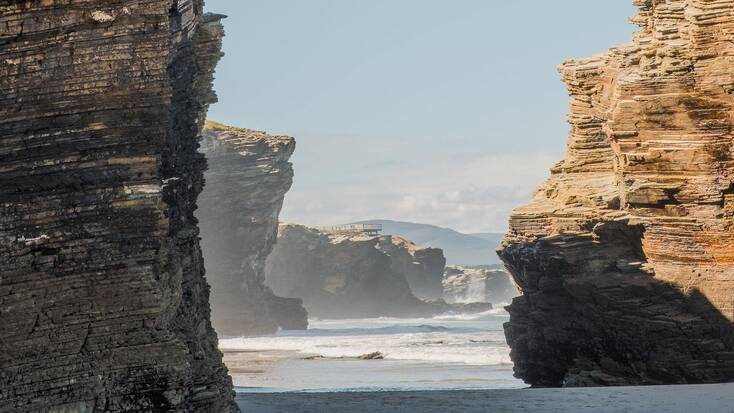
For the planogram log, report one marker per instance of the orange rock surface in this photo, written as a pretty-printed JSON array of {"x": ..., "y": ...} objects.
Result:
[{"x": 626, "y": 253}]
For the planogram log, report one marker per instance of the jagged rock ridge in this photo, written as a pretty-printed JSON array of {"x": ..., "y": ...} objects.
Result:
[
  {"x": 103, "y": 301},
  {"x": 626, "y": 254},
  {"x": 246, "y": 181},
  {"x": 345, "y": 276}
]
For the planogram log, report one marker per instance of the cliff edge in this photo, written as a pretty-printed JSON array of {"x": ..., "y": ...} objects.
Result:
[
  {"x": 103, "y": 301},
  {"x": 625, "y": 256},
  {"x": 248, "y": 176}
]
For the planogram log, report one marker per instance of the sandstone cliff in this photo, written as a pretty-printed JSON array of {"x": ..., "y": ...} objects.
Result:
[
  {"x": 246, "y": 181},
  {"x": 342, "y": 276},
  {"x": 477, "y": 284},
  {"x": 103, "y": 301},
  {"x": 626, "y": 254}
]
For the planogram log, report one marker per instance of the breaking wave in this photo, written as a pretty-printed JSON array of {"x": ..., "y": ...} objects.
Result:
[{"x": 475, "y": 339}]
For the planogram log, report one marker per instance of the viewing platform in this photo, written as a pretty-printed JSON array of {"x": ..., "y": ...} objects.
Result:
[{"x": 353, "y": 229}]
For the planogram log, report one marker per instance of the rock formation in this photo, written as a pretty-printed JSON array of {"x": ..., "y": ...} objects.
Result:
[
  {"x": 459, "y": 249},
  {"x": 103, "y": 301},
  {"x": 247, "y": 178},
  {"x": 422, "y": 267},
  {"x": 626, "y": 254},
  {"x": 477, "y": 284},
  {"x": 342, "y": 276}
]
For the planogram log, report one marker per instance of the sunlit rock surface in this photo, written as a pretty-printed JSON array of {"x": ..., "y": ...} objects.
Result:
[
  {"x": 247, "y": 178},
  {"x": 422, "y": 267},
  {"x": 103, "y": 302},
  {"x": 342, "y": 276},
  {"x": 476, "y": 285},
  {"x": 626, "y": 253}
]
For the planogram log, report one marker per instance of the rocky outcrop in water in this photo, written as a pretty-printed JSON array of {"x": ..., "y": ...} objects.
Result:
[
  {"x": 625, "y": 254},
  {"x": 103, "y": 301},
  {"x": 477, "y": 285},
  {"x": 342, "y": 276},
  {"x": 422, "y": 267},
  {"x": 246, "y": 181}
]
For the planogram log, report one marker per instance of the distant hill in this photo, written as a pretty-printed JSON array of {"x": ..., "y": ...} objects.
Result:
[
  {"x": 459, "y": 249},
  {"x": 489, "y": 236}
]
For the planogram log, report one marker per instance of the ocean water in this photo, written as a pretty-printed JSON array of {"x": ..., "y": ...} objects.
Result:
[{"x": 443, "y": 352}]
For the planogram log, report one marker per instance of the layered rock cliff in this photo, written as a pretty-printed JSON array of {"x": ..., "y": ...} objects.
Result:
[
  {"x": 246, "y": 181},
  {"x": 103, "y": 301},
  {"x": 626, "y": 254},
  {"x": 342, "y": 276}
]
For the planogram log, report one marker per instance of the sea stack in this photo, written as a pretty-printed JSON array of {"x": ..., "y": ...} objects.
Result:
[
  {"x": 625, "y": 255},
  {"x": 103, "y": 301},
  {"x": 247, "y": 178}
]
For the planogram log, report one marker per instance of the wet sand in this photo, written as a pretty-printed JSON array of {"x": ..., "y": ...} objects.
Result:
[
  {"x": 284, "y": 371},
  {"x": 716, "y": 398},
  {"x": 448, "y": 352}
]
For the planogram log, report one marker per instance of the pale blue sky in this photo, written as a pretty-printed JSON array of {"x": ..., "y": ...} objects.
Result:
[{"x": 440, "y": 111}]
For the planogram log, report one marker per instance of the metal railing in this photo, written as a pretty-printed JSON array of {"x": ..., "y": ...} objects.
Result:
[{"x": 368, "y": 229}]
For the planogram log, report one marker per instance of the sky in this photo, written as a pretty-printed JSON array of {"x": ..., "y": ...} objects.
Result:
[{"x": 446, "y": 112}]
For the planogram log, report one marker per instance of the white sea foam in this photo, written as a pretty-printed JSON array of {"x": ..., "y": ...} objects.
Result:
[
  {"x": 486, "y": 315},
  {"x": 469, "y": 339}
]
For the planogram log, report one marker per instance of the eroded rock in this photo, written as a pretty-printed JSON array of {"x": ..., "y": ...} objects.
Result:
[
  {"x": 343, "y": 276},
  {"x": 422, "y": 267},
  {"x": 625, "y": 255},
  {"x": 103, "y": 301},
  {"x": 248, "y": 176}
]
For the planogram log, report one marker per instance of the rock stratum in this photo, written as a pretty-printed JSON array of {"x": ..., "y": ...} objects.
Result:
[
  {"x": 247, "y": 178},
  {"x": 349, "y": 276},
  {"x": 626, "y": 254},
  {"x": 103, "y": 301}
]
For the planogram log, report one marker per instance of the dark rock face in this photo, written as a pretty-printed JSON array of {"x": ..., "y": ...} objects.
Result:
[
  {"x": 103, "y": 301},
  {"x": 422, "y": 267},
  {"x": 246, "y": 181},
  {"x": 341, "y": 276},
  {"x": 477, "y": 284},
  {"x": 625, "y": 254}
]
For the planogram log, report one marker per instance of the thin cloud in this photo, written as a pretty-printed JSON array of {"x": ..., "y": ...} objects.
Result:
[{"x": 470, "y": 194}]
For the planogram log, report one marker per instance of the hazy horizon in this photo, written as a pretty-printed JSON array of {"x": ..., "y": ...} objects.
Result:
[{"x": 450, "y": 114}]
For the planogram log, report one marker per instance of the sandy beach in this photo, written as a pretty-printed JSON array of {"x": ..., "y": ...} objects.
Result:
[
  {"x": 459, "y": 352},
  {"x": 718, "y": 398},
  {"x": 319, "y": 371}
]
